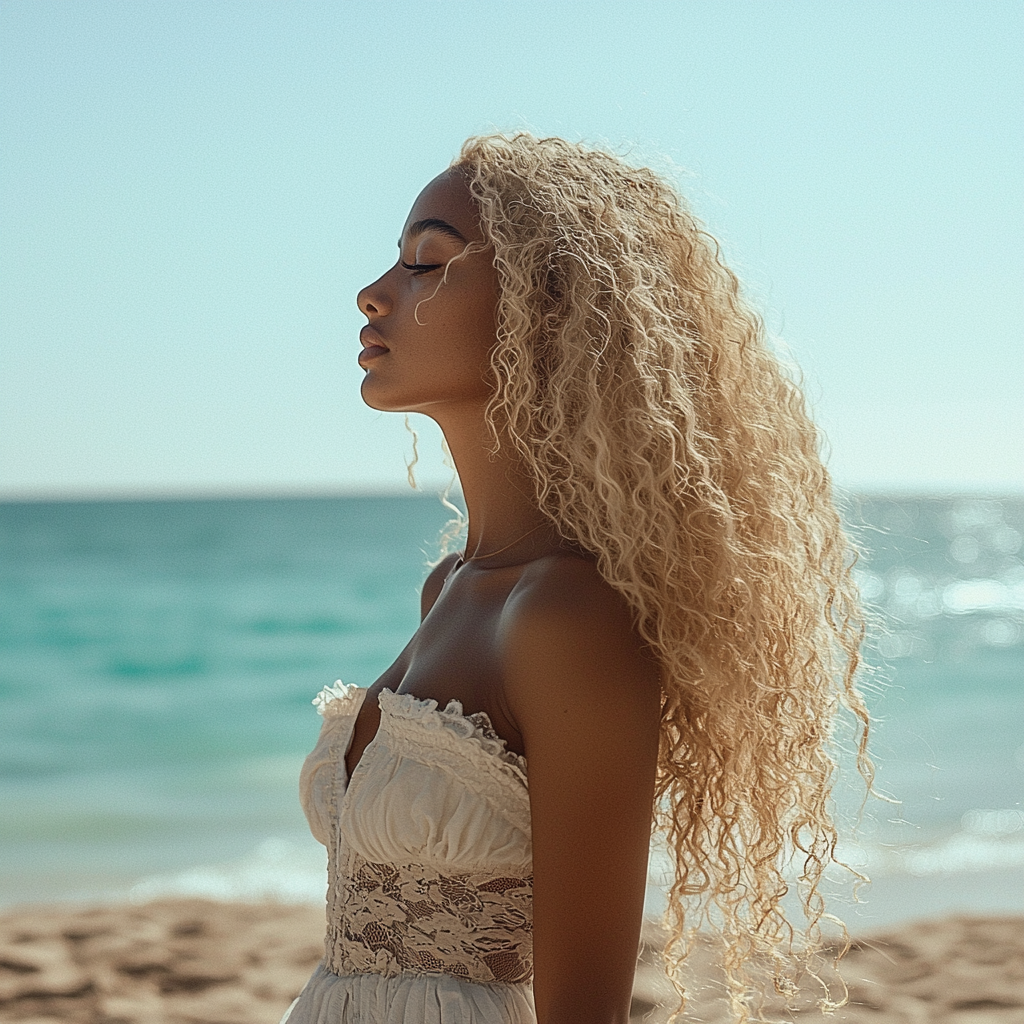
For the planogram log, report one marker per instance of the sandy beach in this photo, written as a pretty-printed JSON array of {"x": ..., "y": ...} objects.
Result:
[{"x": 203, "y": 962}]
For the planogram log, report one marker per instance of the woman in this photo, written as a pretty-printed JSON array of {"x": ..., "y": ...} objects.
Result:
[{"x": 652, "y": 622}]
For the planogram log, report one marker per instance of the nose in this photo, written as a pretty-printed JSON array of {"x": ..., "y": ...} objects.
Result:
[{"x": 372, "y": 300}]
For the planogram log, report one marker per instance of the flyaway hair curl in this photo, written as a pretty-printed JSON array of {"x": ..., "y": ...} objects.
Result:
[{"x": 664, "y": 436}]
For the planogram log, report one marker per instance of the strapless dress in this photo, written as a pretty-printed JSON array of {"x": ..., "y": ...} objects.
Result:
[{"x": 430, "y": 889}]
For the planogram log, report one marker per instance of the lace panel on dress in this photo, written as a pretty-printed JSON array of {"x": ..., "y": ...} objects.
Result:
[{"x": 389, "y": 919}]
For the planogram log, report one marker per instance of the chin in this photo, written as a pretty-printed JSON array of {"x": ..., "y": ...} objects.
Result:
[
  {"x": 371, "y": 395},
  {"x": 423, "y": 396},
  {"x": 383, "y": 399}
]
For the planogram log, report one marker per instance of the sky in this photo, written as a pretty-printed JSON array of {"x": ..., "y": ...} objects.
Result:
[{"x": 192, "y": 193}]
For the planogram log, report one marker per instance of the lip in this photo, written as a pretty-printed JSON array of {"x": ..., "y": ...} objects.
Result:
[{"x": 373, "y": 345}]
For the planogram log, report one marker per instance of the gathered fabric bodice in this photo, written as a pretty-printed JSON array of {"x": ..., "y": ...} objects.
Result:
[{"x": 430, "y": 898}]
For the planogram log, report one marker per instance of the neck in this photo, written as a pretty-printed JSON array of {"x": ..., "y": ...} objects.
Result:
[{"x": 497, "y": 490}]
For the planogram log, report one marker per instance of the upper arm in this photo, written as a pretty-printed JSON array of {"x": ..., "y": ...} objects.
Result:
[
  {"x": 434, "y": 582},
  {"x": 586, "y": 700}
]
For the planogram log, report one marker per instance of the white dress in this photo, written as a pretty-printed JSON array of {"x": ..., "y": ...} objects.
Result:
[{"x": 430, "y": 889}]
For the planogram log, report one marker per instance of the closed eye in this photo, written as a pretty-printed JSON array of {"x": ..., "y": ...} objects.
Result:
[{"x": 420, "y": 268}]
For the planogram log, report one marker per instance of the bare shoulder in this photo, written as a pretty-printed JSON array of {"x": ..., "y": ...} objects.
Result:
[
  {"x": 434, "y": 582},
  {"x": 565, "y": 593},
  {"x": 568, "y": 636}
]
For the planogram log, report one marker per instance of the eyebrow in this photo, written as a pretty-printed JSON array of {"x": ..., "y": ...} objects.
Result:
[{"x": 433, "y": 224}]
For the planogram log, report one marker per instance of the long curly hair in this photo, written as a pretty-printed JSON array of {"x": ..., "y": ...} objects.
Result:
[{"x": 666, "y": 438}]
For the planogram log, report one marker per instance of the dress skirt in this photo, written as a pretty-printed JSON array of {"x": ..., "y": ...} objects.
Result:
[{"x": 330, "y": 998}]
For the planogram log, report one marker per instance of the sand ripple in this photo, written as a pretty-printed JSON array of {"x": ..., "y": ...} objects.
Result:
[{"x": 201, "y": 962}]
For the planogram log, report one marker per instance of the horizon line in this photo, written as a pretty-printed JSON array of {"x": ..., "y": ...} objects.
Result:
[{"x": 430, "y": 489}]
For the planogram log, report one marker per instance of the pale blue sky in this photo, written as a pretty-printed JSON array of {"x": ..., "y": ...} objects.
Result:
[{"x": 193, "y": 192}]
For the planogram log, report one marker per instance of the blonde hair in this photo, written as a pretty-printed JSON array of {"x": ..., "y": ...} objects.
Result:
[{"x": 664, "y": 436}]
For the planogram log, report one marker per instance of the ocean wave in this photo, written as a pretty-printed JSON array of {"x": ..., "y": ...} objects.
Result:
[
  {"x": 988, "y": 840},
  {"x": 278, "y": 869},
  {"x": 964, "y": 853},
  {"x": 966, "y": 597}
]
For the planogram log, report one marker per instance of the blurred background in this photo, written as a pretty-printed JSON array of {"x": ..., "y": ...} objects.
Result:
[{"x": 201, "y": 525}]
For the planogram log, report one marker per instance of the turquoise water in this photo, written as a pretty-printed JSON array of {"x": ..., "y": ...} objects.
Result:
[{"x": 157, "y": 662}]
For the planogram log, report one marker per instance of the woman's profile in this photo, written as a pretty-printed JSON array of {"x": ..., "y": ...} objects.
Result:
[{"x": 652, "y": 623}]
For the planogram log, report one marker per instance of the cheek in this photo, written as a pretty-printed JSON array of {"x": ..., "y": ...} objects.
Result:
[
  {"x": 461, "y": 357},
  {"x": 474, "y": 342},
  {"x": 475, "y": 309},
  {"x": 462, "y": 320}
]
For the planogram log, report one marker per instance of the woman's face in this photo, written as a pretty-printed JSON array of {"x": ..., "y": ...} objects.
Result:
[{"x": 427, "y": 344}]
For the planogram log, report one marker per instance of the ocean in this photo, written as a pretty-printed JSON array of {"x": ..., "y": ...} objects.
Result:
[{"x": 158, "y": 660}]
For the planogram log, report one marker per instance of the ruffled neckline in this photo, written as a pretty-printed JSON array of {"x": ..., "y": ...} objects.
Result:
[
  {"x": 343, "y": 700},
  {"x": 475, "y": 728},
  {"x": 339, "y": 699}
]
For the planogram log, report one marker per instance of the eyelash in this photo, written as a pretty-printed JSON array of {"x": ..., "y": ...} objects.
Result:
[{"x": 420, "y": 268}]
